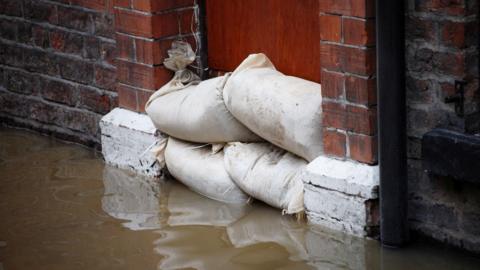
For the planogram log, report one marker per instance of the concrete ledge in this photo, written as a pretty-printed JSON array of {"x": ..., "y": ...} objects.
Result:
[
  {"x": 342, "y": 195},
  {"x": 126, "y": 136}
]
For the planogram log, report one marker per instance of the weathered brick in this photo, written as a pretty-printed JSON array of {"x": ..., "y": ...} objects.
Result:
[
  {"x": 108, "y": 52},
  {"x": 334, "y": 143},
  {"x": 333, "y": 84},
  {"x": 446, "y": 63},
  {"x": 76, "y": 70},
  {"x": 127, "y": 97},
  {"x": 11, "y": 8},
  {"x": 11, "y": 55},
  {"x": 40, "y": 36},
  {"x": 24, "y": 33},
  {"x": 334, "y": 115},
  {"x": 453, "y": 34},
  {"x": 59, "y": 91},
  {"x": 361, "y": 120},
  {"x": 363, "y": 148},
  {"x": 40, "y": 11},
  {"x": 359, "y": 32},
  {"x": 356, "y": 8},
  {"x": 142, "y": 76},
  {"x": 8, "y": 29},
  {"x": 105, "y": 78},
  {"x": 74, "y": 19},
  {"x": 19, "y": 81},
  {"x": 155, "y": 6},
  {"x": 94, "y": 100},
  {"x": 125, "y": 49},
  {"x": 332, "y": 28},
  {"x": 40, "y": 61},
  {"x": 361, "y": 90},
  {"x": 91, "y": 48},
  {"x": 142, "y": 98},
  {"x": 450, "y": 7},
  {"x": 122, "y": 3},
  {"x": 67, "y": 42},
  {"x": 100, "y": 5},
  {"x": 104, "y": 25}
]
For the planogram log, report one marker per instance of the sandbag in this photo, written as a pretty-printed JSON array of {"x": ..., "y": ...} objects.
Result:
[
  {"x": 284, "y": 110},
  {"x": 202, "y": 171},
  {"x": 196, "y": 113},
  {"x": 267, "y": 173}
]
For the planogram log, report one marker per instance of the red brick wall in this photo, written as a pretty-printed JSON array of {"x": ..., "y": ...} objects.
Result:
[
  {"x": 57, "y": 72},
  {"x": 145, "y": 30},
  {"x": 348, "y": 66}
]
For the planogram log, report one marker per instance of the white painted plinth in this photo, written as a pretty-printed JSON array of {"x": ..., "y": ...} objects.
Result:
[
  {"x": 126, "y": 137},
  {"x": 336, "y": 194}
]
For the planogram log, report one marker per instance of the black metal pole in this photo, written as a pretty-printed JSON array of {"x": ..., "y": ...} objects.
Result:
[
  {"x": 392, "y": 122},
  {"x": 202, "y": 29}
]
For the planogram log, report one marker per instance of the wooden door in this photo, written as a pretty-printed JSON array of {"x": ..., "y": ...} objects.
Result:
[{"x": 287, "y": 31}]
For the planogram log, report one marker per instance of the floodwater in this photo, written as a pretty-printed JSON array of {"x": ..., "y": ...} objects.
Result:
[{"x": 62, "y": 208}]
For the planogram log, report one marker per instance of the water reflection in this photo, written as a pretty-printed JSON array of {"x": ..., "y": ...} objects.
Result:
[{"x": 57, "y": 213}]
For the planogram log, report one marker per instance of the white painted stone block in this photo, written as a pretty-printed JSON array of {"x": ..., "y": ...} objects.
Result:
[
  {"x": 336, "y": 194},
  {"x": 126, "y": 138}
]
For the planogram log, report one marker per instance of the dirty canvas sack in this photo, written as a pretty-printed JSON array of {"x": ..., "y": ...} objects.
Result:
[
  {"x": 197, "y": 113},
  {"x": 284, "y": 110},
  {"x": 267, "y": 173},
  {"x": 201, "y": 170}
]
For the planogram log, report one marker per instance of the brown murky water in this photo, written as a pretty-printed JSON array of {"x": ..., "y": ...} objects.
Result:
[{"x": 62, "y": 208}]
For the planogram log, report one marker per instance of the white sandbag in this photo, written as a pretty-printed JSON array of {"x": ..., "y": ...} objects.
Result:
[
  {"x": 284, "y": 110},
  {"x": 189, "y": 208},
  {"x": 196, "y": 113},
  {"x": 202, "y": 171},
  {"x": 267, "y": 173}
]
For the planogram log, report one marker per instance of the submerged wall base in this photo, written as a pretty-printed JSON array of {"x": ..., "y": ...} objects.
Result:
[
  {"x": 342, "y": 195},
  {"x": 126, "y": 139}
]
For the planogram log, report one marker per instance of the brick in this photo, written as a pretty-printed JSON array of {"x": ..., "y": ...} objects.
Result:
[
  {"x": 125, "y": 47},
  {"x": 40, "y": 11},
  {"x": 94, "y": 100},
  {"x": 100, "y": 5},
  {"x": 105, "y": 78},
  {"x": 334, "y": 143},
  {"x": 453, "y": 34},
  {"x": 11, "y": 8},
  {"x": 446, "y": 63},
  {"x": 156, "y": 6},
  {"x": 166, "y": 24},
  {"x": 359, "y": 61},
  {"x": 14, "y": 104},
  {"x": 363, "y": 148},
  {"x": 151, "y": 52},
  {"x": 104, "y": 25},
  {"x": 66, "y": 42},
  {"x": 359, "y": 32},
  {"x": 40, "y": 36},
  {"x": 356, "y": 8},
  {"x": 361, "y": 120},
  {"x": 91, "y": 48},
  {"x": 8, "y": 29},
  {"x": 331, "y": 56},
  {"x": 450, "y": 7},
  {"x": 11, "y": 55},
  {"x": 361, "y": 90},
  {"x": 142, "y": 97},
  {"x": 333, "y": 84},
  {"x": 122, "y": 3},
  {"x": 331, "y": 28},
  {"x": 419, "y": 28},
  {"x": 419, "y": 90},
  {"x": 60, "y": 92},
  {"x": 142, "y": 76},
  {"x": 19, "y": 81},
  {"x": 334, "y": 115},
  {"x": 127, "y": 97},
  {"x": 75, "y": 70},
  {"x": 24, "y": 33},
  {"x": 108, "y": 52},
  {"x": 74, "y": 19},
  {"x": 40, "y": 61}
]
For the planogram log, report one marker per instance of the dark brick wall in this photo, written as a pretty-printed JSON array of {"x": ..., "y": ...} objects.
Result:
[
  {"x": 57, "y": 72},
  {"x": 441, "y": 47}
]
